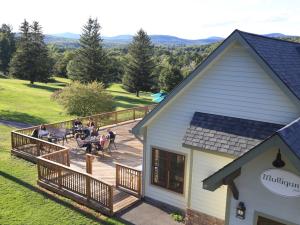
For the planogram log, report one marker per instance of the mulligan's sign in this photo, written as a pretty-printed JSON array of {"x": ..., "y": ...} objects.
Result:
[{"x": 281, "y": 182}]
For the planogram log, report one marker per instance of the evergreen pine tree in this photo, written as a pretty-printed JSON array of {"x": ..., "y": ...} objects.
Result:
[
  {"x": 89, "y": 63},
  {"x": 7, "y": 47},
  {"x": 139, "y": 69},
  {"x": 31, "y": 61}
]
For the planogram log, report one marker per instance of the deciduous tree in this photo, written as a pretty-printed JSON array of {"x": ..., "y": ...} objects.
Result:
[{"x": 84, "y": 99}]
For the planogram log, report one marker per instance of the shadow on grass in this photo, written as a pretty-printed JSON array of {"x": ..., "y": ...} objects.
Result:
[
  {"x": 131, "y": 101},
  {"x": 143, "y": 94},
  {"x": 20, "y": 117},
  {"x": 42, "y": 87},
  {"x": 55, "y": 199}
]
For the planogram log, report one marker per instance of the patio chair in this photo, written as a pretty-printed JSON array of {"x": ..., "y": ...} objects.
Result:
[{"x": 61, "y": 134}]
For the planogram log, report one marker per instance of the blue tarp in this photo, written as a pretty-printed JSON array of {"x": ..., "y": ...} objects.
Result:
[{"x": 158, "y": 97}]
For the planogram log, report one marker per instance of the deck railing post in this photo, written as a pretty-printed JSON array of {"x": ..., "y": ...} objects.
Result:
[
  {"x": 111, "y": 200},
  {"x": 133, "y": 114},
  {"x": 38, "y": 149},
  {"x": 39, "y": 169},
  {"x": 88, "y": 188},
  {"x": 68, "y": 157},
  {"x": 117, "y": 175},
  {"x": 116, "y": 117},
  {"x": 12, "y": 140},
  {"x": 59, "y": 178},
  {"x": 139, "y": 184}
]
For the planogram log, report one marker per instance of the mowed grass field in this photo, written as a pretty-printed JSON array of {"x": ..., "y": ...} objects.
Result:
[
  {"x": 22, "y": 201},
  {"x": 22, "y": 102}
]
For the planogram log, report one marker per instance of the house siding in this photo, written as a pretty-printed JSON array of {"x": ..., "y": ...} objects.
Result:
[
  {"x": 263, "y": 201},
  {"x": 210, "y": 203},
  {"x": 234, "y": 85}
]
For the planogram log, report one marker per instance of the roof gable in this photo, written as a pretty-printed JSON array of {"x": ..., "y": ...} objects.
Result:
[
  {"x": 236, "y": 36},
  {"x": 286, "y": 139}
]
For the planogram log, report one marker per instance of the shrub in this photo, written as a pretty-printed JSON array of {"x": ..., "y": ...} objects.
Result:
[
  {"x": 84, "y": 99},
  {"x": 177, "y": 217}
]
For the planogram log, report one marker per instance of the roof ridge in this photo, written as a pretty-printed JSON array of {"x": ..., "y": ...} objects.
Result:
[
  {"x": 270, "y": 38},
  {"x": 288, "y": 125}
]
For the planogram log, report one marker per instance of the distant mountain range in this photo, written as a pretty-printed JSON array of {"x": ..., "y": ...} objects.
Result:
[{"x": 71, "y": 40}]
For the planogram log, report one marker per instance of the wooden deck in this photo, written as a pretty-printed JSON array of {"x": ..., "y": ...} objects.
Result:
[{"x": 128, "y": 152}]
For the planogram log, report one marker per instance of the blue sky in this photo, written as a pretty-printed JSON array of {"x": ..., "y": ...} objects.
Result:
[{"x": 183, "y": 18}]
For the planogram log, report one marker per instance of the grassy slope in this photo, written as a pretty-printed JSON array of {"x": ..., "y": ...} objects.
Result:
[
  {"x": 21, "y": 200},
  {"x": 22, "y": 102}
]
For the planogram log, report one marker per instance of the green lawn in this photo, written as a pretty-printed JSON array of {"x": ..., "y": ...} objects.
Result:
[
  {"x": 22, "y": 202},
  {"x": 22, "y": 102}
]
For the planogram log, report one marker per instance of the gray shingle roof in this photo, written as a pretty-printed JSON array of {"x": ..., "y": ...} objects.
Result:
[
  {"x": 283, "y": 57},
  {"x": 290, "y": 134},
  {"x": 225, "y": 134}
]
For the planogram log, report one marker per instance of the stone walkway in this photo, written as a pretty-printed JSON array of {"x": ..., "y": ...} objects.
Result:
[{"x": 144, "y": 213}]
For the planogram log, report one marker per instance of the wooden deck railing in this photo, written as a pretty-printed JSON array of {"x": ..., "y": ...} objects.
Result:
[
  {"x": 84, "y": 185},
  {"x": 102, "y": 119},
  {"x": 62, "y": 157},
  {"x": 29, "y": 147},
  {"x": 23, "y": 142},
  {"x": 53, "y": 163},
  {"x": 129, "y": 179}
]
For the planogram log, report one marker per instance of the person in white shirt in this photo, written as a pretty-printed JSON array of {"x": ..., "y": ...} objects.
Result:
[{"x": 43, "y": 131}]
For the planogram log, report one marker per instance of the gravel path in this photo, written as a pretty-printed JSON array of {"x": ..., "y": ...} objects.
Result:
[{"x": 14, "y": 124}]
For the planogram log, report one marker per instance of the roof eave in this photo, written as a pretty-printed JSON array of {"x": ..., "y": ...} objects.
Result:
[{"x": 215, "y": 180}]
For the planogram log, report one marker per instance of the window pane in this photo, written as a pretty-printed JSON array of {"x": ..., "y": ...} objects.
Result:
[
  {"x": 168, "y": 170},
  {"x": 159, "y": 171},
  {"x": 176, "y": 179}
]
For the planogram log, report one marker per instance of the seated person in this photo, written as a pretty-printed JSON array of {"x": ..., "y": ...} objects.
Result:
[
  {"x": 101, "y": 142},
  {"x": 77, "y": 123},
  {"x": 91, "y": 123},
  {"x": 94, "y": 133},
  {"x": 35, "y": 133},
  {"x": 82, "y": 143},
  {"x": 111, "y": 134},
  {"x": 43, "y": 131}
]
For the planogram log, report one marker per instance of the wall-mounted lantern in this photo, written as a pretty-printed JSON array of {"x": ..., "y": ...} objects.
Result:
[
  {"x": 278, "y": 162},
  {"x": 241, "y": 211}
]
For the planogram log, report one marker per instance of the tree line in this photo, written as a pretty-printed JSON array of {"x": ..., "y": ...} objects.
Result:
[{"x": 140, "y": 67}]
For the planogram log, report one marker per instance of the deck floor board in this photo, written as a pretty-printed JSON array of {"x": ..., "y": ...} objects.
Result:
[{"x": 128, "y": 152}]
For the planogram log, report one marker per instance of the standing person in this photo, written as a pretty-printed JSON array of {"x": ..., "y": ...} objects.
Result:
[
  {"x": 82, "y": 143},
  {"x": 111, "y": 134}
]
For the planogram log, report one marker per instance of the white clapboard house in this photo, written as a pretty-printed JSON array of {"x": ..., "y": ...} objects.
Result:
[{"x": 211, "y": 148}]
